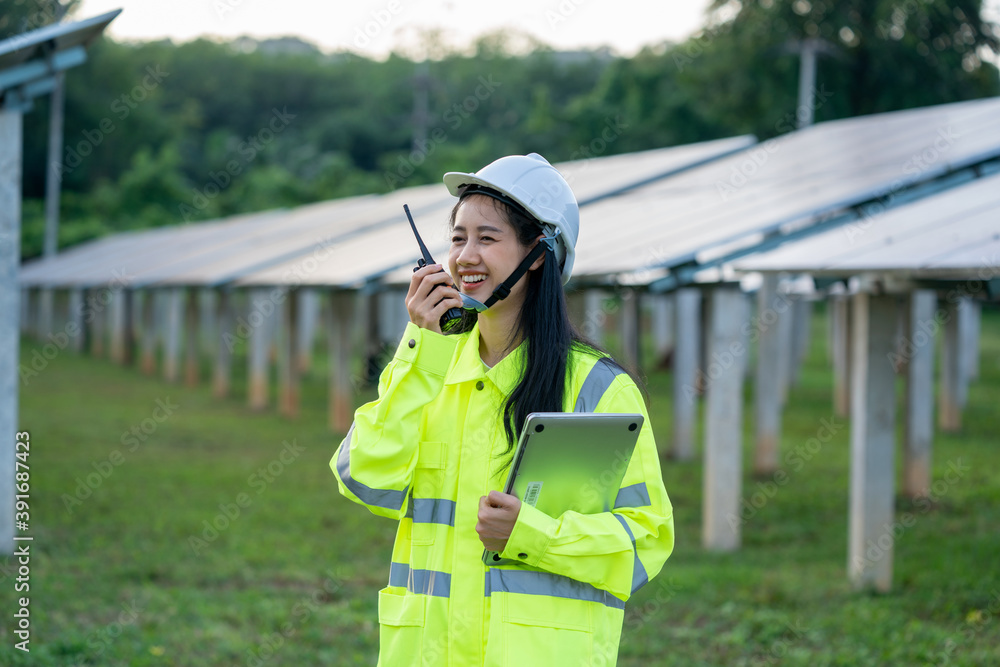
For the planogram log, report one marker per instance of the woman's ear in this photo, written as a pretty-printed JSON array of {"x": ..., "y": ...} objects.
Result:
[{"x": 541, "y": 258}]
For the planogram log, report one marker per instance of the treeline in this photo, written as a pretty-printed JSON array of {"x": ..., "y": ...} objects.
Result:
[{"x": 158, "y": 133}]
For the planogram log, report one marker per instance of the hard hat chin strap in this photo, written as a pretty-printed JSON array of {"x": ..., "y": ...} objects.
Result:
[{"x": 503, "y": 290}]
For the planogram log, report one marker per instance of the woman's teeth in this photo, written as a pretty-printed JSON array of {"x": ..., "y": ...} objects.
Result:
[{"x": 478, "y": 278}]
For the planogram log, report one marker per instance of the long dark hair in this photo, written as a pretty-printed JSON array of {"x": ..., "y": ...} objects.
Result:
[{"x": 545, "y": 326}]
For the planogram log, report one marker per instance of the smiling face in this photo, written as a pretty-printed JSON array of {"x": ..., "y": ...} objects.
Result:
[{"x": 485, "y": 250}]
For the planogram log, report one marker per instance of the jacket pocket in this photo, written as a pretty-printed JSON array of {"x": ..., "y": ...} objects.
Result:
[
  {"x": 401, "y": 621},
  {"x": 542, "y": 630},
  {"x": 429, "y": 470}
]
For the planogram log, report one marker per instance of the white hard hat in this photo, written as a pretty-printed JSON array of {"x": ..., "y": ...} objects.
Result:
[{"x": 538, "y": 187}]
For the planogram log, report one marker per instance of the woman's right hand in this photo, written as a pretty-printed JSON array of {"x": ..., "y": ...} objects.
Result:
[{"x": 426, "y": 308}]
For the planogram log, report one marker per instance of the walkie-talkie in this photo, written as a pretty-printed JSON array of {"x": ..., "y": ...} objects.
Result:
[{"x": 453, "y": 316}]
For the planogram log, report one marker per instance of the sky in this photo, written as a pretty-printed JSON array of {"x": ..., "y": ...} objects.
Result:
[{"x": 376, "y": 27}]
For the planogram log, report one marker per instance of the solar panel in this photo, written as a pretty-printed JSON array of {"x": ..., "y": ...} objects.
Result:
[
  {"x": 953, "y": 233},
  {"x": 132, "y": 254}
]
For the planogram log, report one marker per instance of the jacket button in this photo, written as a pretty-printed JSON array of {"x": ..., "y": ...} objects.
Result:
[
  {"x": 480, "y": 385},
  {"x": 412, "y": 343},
  {"x": 522, "y": 556}
]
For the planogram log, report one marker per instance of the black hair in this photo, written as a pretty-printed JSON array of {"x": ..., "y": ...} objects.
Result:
[{"x": 545, "y": 326}]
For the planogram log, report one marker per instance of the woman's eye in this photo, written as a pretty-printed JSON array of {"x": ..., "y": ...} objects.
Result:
[
  {"x": 456, "y": 239},
  {"x": 488, "y": 238}
]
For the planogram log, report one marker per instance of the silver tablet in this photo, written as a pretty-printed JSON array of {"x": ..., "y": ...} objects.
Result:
[{"x": 570, "y": 461}]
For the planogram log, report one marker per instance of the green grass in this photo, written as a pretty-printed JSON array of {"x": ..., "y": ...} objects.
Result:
[{"x": 292, "y": 580}]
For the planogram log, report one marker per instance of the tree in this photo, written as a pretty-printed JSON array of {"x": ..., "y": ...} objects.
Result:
[{"x": 895, "y": 54}]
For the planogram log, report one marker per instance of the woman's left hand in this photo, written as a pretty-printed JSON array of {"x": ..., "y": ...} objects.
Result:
[{"x": 497, "y": 515}]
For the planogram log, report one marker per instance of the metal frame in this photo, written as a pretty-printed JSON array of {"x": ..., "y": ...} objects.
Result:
[{"x": 29, "y": 62}]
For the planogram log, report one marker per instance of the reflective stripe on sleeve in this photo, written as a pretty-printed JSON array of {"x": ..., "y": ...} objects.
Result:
[
  {"x": 598, "y": 380},
  {"x": 639, "y": 576},
  {"x": 634, "y": 495},
  {"x": 386, "y": 498},
  {"x": 432, "y": 510},
  {"x": 529, "y": 582},
  {"x": 425, "y": 582}
]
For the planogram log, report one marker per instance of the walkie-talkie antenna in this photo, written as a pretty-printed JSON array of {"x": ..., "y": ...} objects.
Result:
[
  {"x": 423, "y": 249},
  {"x": 454, "y": 315}
]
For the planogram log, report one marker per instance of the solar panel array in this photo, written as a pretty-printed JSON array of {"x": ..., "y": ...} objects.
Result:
[
  {"x": 787, "y": 183},
  {"x": 684, "y": 206},
  {"x": 364, "y": 235}
]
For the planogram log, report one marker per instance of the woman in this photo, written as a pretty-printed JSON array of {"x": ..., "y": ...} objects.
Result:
[{"x": 433, "y": 450}]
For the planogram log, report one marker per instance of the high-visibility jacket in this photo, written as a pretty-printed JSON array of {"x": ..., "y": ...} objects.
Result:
[{"x": 424, "y": 453}]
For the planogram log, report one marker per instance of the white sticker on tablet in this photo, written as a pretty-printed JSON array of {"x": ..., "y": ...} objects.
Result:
[{"x": 531, "y": 493}]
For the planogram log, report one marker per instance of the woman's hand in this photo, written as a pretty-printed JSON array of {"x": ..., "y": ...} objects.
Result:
[
  {"x": 497, "y": 516},
  {"x": 426, "y": 307}
]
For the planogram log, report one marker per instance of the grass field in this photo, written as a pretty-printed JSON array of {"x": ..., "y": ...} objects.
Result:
[{"x": 216, "y": 536}]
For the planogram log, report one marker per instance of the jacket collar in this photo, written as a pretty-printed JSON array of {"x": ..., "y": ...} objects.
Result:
[{"x": 468, "y": 365}]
